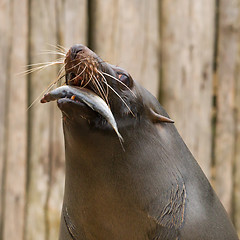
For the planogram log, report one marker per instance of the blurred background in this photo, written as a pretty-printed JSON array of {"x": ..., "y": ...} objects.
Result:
[{"x": 187, "y": 53}]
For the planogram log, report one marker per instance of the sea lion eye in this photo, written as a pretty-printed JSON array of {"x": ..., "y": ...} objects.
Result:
[{"x": 124, "y": 79}]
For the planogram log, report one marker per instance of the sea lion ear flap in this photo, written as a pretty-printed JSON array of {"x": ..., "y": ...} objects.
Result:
[{"x": 156, "y": 118}]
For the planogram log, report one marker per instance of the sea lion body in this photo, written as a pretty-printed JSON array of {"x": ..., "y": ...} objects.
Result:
[{"x": 151, "y": 189}]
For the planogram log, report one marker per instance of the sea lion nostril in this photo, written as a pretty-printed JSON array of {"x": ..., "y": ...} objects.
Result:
[
  {"x": 79, "y": 50},
  {"x": 73, "y": 55}
]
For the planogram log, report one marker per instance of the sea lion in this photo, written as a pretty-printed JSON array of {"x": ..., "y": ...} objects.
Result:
[{"x": 129, "y": 175}]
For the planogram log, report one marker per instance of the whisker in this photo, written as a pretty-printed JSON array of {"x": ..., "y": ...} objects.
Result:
[
  {"x": 77, "y": 65},
  {"x": 79, "y": 74},
  {"x": 101, "y": 94},
  {"x": 45, "y": 90},
  {"x": 87, "y": 81},
  {"x": 61, "y": 69},
  {"x": 53, "y": 52},
  {"x": 81, "y": 61},
  {"x": 120, "y": 98},
  {"x": 80, "y": 67},
  {"x": 59, "y": 60},
  {"x": 104, "y": 79},
  {"x": 100, "y": 89},
  {"x": 119, "y": 82},
  {"x": 59, "y": 78},
  {"x": 42, "y": 66},
  {"x": 107, "y": 90},
  {"x": 59, "y": 47},
  {"x": 38, "y": 68}
]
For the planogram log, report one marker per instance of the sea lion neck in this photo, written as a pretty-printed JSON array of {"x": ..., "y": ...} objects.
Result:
[{"x": 85, "y": 143}]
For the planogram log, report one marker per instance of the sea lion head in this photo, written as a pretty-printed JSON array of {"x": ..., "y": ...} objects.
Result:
[
  {"x": 128, "y": 102},
  {"x": 114, "y": 85}
]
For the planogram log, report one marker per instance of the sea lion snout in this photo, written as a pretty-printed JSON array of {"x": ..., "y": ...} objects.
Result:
[
  {"x": 75, "y": 49},
  {"x": 81, "y": 51},
  {"x": 81, "y": 66}
]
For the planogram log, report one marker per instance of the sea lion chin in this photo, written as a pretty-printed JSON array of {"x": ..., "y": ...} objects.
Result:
[{"x": 129, "y": 174}]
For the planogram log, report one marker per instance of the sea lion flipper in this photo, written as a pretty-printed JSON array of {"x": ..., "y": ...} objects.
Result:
[{"x": 159, "y": 118}]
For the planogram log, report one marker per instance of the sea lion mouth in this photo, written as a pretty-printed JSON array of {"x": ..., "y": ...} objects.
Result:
[{"x": 82, "y": 96}]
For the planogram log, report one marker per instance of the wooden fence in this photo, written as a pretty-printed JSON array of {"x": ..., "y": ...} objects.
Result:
[{"x": 187, "y": 53}]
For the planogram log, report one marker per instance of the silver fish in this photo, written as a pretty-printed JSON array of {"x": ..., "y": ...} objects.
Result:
[{"x": 91, "y": 99}]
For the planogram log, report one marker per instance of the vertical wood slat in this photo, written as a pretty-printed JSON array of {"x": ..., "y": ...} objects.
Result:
[
  {"x": 73, "y": 22},
  {"x": 187, "y": 38},
  {"x": 14, "y": 48},
  {"x": 57, "y": 173},
  {"x": 15, "y": 195},
  {"x": 126, "y": 33},
  {"x": 42, "y": 32},
  {"x": 236, "y": 202},
  {"x": 228, "y": 50},
  {"x": 4, "y": 59}
]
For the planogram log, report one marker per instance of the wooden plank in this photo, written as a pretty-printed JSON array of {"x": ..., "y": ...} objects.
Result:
[
  {"x": 4, "y": 59},
  {"x": 187, "y": 35},
  {"x": 43, "y": 31},
  {"x": 73, "y": 22},
  {"x": 16, "y": 151},
  {"x": 126, "y": 33},
  {"x": 236, "y": 201},
  {"x": 225, "y": 129},
  {"x": 57, "y": 177}
]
